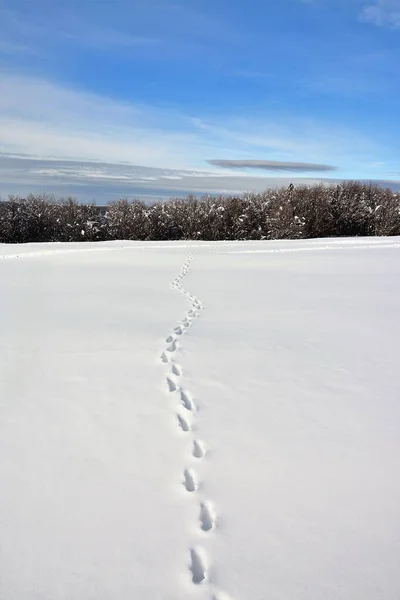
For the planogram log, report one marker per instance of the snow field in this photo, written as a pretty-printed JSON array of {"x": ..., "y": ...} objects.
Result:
[{"x": 249, "y": 452}]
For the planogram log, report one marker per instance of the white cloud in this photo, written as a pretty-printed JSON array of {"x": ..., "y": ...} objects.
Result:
[
  {"x": 384, "y": 13},
  {"x": 21, "y": 175},
  {"x": 45, "y": 120},
  {"x": 105, "y": 182}
]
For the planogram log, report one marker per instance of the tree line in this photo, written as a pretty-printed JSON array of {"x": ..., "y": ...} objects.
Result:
[{"x": 348, "y": 209}]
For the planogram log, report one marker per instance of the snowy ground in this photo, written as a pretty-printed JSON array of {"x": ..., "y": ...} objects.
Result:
[{"x": 254, "y": 455}]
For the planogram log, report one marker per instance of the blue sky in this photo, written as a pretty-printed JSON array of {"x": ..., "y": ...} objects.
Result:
[{"x": 128, "y": 95}]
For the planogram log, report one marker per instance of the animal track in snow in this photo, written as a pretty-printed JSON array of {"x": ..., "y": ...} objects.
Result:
[
  {"x": 187, "y": 402},
  {"x": 183, "y": 424},
  {"x": 171, "y": 384},
  {"x": 189, "y": 480},
  {"x": 197, "y": 566},
  {"x": 164, "y": 357},
  {"x": 198, "y": 449},
  {"x": 185, "y": 419},
  {"x": 176, "y": 370},
  {"x": 172, "y": 347},
  {"x": 207, "y": 520}
]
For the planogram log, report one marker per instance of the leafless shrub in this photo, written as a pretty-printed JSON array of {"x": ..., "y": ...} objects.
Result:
[{"x": 349, "y": 209}]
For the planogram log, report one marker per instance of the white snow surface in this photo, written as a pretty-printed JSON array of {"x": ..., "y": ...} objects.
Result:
[{"x": 233, "y": 436}]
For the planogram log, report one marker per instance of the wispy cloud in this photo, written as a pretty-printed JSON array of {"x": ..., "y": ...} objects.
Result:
[
  {"x": 45, "y": 121},
  {"x": 104, "y": 182},
  {"x": 272, "y": 165},
  {"x": 64, "y": 123},
  {"x": 289, "y": 138},
  {"x": 67, "y": 124},
  {"x": 383, "y": 13}
]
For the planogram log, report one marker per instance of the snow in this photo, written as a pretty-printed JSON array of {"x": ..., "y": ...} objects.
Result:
[{"x": 232, "y": 436}]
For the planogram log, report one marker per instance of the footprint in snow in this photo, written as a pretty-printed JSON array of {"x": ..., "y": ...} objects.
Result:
[
  {"x": 172, "y": 347},
  {"x": 171, "y": 384},
  {"x": 187, "y": 402},
  {"x": 197, "y": 566},
  {"x": 206, "y": 517},
  {"x": 189, "y": 480},
  {"x": 198, "y": 449},
  {"x": 183, "y": 424},
  {"x": 176, "y": 370}
]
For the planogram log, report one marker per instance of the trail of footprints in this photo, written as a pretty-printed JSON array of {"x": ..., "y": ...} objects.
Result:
[{"x": 185, "y": 415}]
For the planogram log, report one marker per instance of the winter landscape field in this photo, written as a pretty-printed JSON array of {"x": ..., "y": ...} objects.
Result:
[{"x": 211, "y": 420}]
